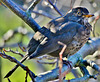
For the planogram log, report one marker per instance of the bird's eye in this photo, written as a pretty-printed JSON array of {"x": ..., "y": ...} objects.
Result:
[{"x": 79, "y": 13}]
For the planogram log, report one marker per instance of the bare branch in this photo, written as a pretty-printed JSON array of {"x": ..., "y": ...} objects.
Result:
[
  {"x": 22, "y": 14},
  {"x": 44, "y": 14},
  {"x": 93, "y": 25},
  {"x": 71, "y": 5},
  {"x": 22, "y": 48},
  {"x": 55, "y": 2},
  {"x": 8, "y": 80},
  {"x": 50, "y": 63},
  {"x": 32, "y": 6},
  {"x": 46, "y": 57},
  {"x": 88, "y": 48},
  {"x": 12, "y": 59},
  {"x": 91, "y": 64},
  {"x": 15, "y": 52},
  {"x": 55, "y": 8},
  {"x": 40, "y": 12},
  {"x": 85, "y": 77}
]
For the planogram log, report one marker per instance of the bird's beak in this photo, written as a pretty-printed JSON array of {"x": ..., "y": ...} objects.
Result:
[{"x": 88, "y": 16}]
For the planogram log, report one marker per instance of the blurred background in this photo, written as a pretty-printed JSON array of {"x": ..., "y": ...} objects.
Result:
[{"x": 14, "y": 31}]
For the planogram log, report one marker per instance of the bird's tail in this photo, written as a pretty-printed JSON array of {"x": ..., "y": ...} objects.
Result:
[
  {"x": 15, "y": 67},
  {"x": 34, "y": 55}
]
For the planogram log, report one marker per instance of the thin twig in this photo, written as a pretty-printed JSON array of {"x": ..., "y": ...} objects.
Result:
[
  {"x": 55, "y": 2},
  {"x": 44, "y": 14},
  {"x": 22, "y": 48},
  {"x": 46, "y": 57},
  {"x": 22, "y": 14},
  {"x": 26, "y": 76},
  {"x": 8, "y": 80},
  {"x": 40, "y": 12},
  {"x": 50, "y": 63},
  {"x": 91, "y": 64},
  {"x": 85, "y": 77},
  {"x": 12, "y": 59},
  {"x": 55, "y": 8},
  {"x": 82, "y": 53},
  {"x": 93, "y": 25},
  {"x": 71, "y": 5},
  {"x": 15, "y": 52},
  {"x": 32, "y": 6}
]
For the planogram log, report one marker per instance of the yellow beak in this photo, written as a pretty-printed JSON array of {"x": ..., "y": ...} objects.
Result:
[{"x": 89, "y": 15}]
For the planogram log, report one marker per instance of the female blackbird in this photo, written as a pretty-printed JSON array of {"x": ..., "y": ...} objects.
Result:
[{"x": 72, "y": 29}]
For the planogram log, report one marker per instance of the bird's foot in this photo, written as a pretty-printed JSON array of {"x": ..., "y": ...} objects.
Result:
[{"x": 67, "y": 63}]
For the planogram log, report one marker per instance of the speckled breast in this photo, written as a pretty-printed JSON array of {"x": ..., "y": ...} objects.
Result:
[{"x": 78, "y": 40}]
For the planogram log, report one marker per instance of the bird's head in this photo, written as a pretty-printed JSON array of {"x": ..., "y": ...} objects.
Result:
[{"x": 79, "y": 13}]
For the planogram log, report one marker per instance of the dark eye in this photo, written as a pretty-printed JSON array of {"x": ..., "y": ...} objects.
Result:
[{"x": 79, "y": 13}]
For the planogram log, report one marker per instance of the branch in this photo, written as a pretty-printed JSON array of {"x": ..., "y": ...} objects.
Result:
[
  {"x": 50, "y": 63},
  {"x": 85, "y": 77},
  {"x": 55, "y": 7},
  {"x": 88, "y": 48},
  {"x": 22, "y": 14},
  {"x": 12, "y": 59},
  {"x": 46, "y": 57},
  {"x": 44, "y": 14},
  {"x": 40, "y": 12},
  {"x": 15, "y": 52},
  {"x": 91, "y": 64},
  {"x": 93, "y": 25},
  {"x": 32, "y": 6}
]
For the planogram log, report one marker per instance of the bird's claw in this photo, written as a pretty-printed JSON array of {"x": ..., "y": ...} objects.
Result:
[{"x": 67, "y": 63}]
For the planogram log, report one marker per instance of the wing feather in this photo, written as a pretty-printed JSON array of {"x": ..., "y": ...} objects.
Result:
[{"x": 65, "y": 34}]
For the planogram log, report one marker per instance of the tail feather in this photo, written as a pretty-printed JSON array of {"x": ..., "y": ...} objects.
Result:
[{"x": 34, "y": 55}]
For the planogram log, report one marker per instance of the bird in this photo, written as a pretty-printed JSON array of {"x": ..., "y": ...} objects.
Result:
[{"x": 72, "y": 29}]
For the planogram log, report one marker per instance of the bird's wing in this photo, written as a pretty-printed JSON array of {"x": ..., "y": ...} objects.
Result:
[
  {"x": 53, "y": 25},
  {"x": 38, "y": 37},
  {"x": 65, "y": 35},
  {"x": 34, "y": 42}
]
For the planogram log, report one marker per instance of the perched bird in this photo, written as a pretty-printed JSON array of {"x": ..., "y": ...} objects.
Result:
[{"x": 72, "y": 29}]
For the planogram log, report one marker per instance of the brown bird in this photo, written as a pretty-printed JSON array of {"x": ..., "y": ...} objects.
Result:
[{"x": 72, "y": 29}]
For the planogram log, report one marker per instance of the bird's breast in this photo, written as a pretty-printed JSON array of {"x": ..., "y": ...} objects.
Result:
[{"x": 78, "y": 41}]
